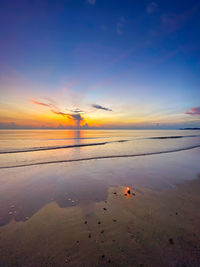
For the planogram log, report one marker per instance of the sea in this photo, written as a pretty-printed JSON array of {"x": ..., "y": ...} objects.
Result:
[{"x": 21, "y": 148}]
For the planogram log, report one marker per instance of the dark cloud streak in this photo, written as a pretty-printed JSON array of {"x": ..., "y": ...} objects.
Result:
[{"x": 101, "y": 107}]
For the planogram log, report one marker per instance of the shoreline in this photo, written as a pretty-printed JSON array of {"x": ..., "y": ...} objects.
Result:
[{"x": 102, "y": 157}]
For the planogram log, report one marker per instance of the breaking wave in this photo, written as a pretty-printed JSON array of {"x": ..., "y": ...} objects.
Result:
[
  {"x": 173, "y": 137},
  {"x": 35, "y": 149},
  {"x": 103, "y": 157}
]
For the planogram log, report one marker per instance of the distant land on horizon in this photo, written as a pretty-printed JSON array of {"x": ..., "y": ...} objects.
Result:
[{"x": 196, "y": 128}]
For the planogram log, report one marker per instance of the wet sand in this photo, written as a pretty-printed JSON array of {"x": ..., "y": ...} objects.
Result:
[
  {"x": 150, "y": 228},
  {"x": 77, "y": 214}
]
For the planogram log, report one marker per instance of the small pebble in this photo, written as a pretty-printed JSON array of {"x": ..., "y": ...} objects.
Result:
[
  {"x": 176, "y": 213},
  {"x": 133, "y": 194},
  {"x": 89, "y": 236},
  {"x": 103, "y": 256},
  {"x": 114, "y": 220},
  {"x": 115, "y": 193},
  {"x": 125, "y": 194},
  {"x": 99, "y": 222},
  {"x": 85, "y": 222},
  {"x": 104, "y": 209},
  {"x": 171, "y": 241}
]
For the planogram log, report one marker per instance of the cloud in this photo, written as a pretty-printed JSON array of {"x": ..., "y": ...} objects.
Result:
[
  {"x": 50, "y": 105},
  {"x": 77, "y": 110},
  {"x": 60, "y": 126},
  {"x": 60, "y": 113},
  {"x": 75, "y": 115},
  {"x": 120, "y": 25},
  {"x": 39, "y": 103},
  {"x": 91, "y": 2},
  {"x": 101, "y": 107},
  {"x": 194, "y": 111},
  {"x": 151, "y": 7},
  {"x": 67, "y": 87},
  {"x": 173, "y": 22}
]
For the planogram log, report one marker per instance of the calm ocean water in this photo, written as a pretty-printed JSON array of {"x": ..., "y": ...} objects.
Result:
[{"x": 33, "y": 147}]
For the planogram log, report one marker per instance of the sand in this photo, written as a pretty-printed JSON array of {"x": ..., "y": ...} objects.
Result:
[{"x": 150, "y": 228}]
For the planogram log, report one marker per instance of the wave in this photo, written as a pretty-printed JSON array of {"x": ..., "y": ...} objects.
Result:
[
  {"x": 173, "y": 137},
  {"x": 35, "y": 149},
  {"x": 102, "y": 157}
]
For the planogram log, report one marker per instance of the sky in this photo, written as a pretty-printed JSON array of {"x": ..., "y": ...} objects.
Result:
[{"x": 99, "y": 64}]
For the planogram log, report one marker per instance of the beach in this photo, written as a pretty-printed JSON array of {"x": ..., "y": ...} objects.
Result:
[
  {"x": 81, "y": 213},
  {"x": 99, "y": 133}
]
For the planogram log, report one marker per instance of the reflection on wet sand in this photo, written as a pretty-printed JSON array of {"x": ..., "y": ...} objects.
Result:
[
  {"x": 150, "y": 229},
  {"x": 24, "y": 191},
  {"x": 119, "y": 212},
  {"x": 29, "y": 197}
]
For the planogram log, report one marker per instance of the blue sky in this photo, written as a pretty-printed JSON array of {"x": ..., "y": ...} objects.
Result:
[{"x": 139, "y": 58}]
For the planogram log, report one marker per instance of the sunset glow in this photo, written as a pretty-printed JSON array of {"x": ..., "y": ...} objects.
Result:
[{"x": 118, "y": 78}]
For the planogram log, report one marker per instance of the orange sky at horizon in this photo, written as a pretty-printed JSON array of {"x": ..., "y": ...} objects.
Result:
[{"x": 26, "y": 104}]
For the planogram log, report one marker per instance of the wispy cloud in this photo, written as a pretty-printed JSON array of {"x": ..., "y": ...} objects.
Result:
[
  {"x": 101, "y": 107},
  {"x": 151, "y": 7},
  {"x": 50, "y": 105},
  {"x": 194, "y": 111},
  {"x": 120, "y": 25},
  {"x": 74, "y": 115},
  {"x": 173, "y": 22},
  {"x": 39, "y": 103},
  {"x": 67, "y": 87},
  {"x": 77, "y": 110},
  {"x": 91, "y": 2}
]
